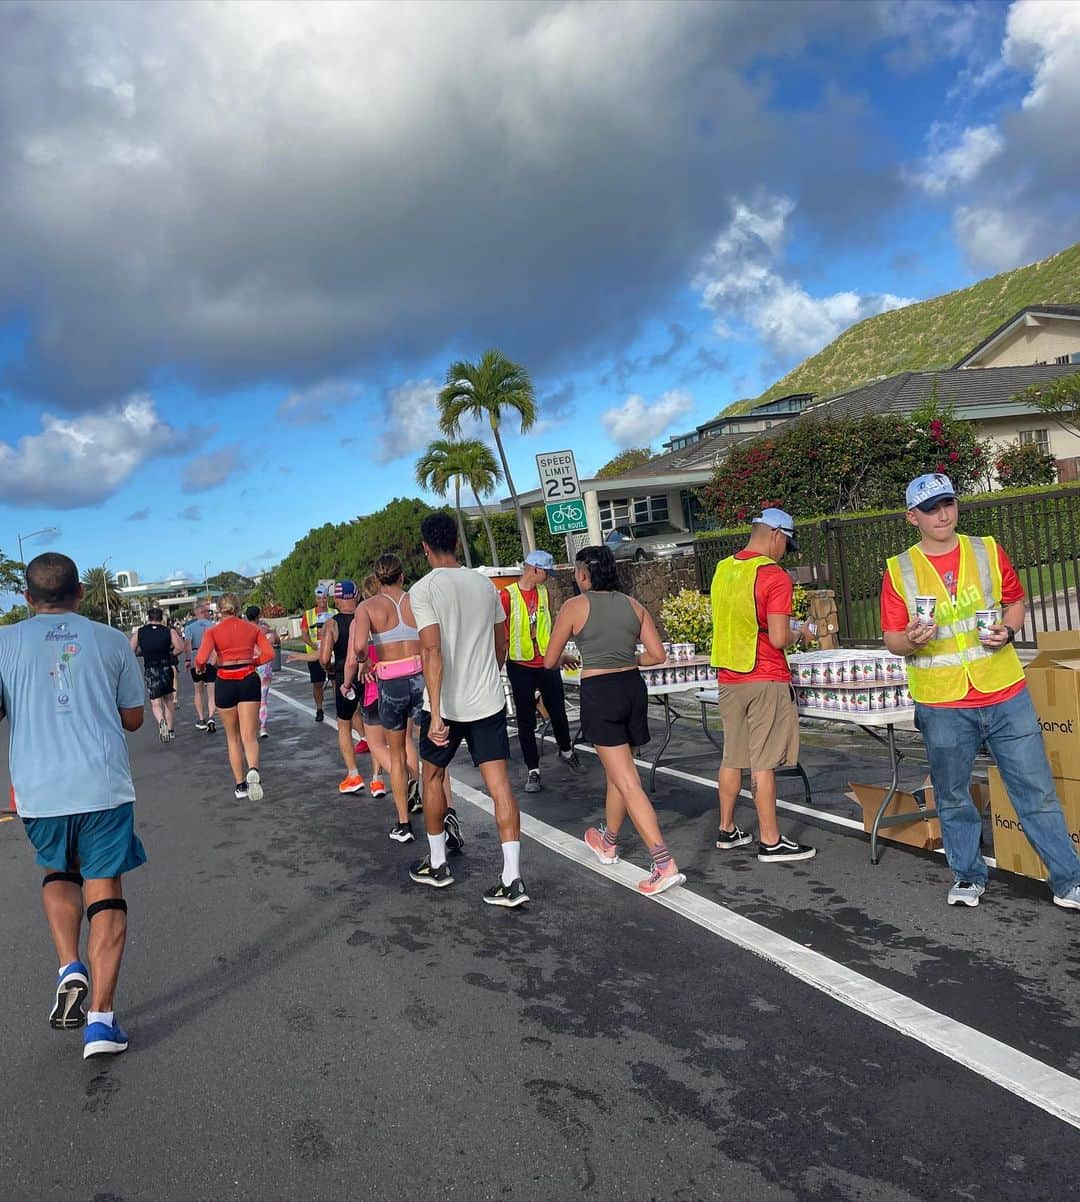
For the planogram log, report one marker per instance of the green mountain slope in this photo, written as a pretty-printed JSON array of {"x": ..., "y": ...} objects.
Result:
[{"x": 932, "y": 334}]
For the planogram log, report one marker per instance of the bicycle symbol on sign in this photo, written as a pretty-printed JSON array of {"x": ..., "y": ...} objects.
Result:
[{"x": 570, "y": 512}]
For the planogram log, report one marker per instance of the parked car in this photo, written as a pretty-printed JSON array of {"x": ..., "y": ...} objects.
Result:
[{"x": 650, "y": 540}]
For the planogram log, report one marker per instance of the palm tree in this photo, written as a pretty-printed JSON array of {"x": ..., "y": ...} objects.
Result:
[
  {"x": 435, "y": 470},
  {"x": 480, "y": 471},
  {"x": 486, "y": 389},
  {"x": 100, "y": 593}
]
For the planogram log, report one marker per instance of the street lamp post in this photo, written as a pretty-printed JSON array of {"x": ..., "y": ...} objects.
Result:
[
  {"x": 32, "y": 534},
  {"x": 205, "y": 583},
  {"x": 105, "y": 586}
]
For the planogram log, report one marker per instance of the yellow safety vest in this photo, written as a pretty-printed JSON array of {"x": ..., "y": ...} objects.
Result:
[
  {"x": 311, "y": 617},
  {"x": 947, "y": 666},
  {"x": 734, "y": 613},
  {"x": 521, "y": 644}
]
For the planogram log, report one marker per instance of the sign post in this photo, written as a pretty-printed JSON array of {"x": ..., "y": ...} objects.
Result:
[{"x": 563, "y": 502}]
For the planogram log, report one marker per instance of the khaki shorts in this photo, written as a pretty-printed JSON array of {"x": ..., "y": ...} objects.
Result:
[{"x": 761, "y": 725}]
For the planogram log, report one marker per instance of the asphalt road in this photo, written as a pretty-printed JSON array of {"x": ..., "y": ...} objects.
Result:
[{"x": 305, "y": 1022}]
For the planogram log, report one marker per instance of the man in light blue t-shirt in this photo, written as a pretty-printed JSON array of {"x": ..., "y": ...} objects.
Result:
[
  {"x": 194, "y": 632},
  {"x": 70, "y": 689}
]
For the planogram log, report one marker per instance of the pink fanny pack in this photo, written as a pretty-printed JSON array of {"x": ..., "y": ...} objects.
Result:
[{"x": 399, "y": 667}]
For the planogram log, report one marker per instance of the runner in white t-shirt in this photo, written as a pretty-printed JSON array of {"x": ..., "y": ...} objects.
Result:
[{"x": 463, "y": 646}]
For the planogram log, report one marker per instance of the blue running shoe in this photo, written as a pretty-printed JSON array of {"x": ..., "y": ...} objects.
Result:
[
  {"x": 72, "y": 986},
  {"x": 101, "y": 1039}
]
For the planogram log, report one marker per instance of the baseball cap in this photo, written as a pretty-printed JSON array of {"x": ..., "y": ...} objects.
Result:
[
  {"x": 778, "y": 519},
  {"x": 345, "y": 590},
  {"x": 924, "y": 492},
  {"x": 543, "y": 560}
]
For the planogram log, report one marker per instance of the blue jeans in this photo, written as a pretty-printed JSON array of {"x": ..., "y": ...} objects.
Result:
[{"x": 1011, "y": 731}]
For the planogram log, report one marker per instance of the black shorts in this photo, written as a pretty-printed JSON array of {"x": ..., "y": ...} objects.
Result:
[
  {"x": 158, "y": 678},
  {"x": 486, "y": 739},
  {"x": 317, "y": 672},
  {"x": 615, "y": 710},
  {"x": 229, "y": 693},
  {"x": 343, "y": 707},
  {"x": 371, "y": 714},
  {"x": 207, "y": 675}
]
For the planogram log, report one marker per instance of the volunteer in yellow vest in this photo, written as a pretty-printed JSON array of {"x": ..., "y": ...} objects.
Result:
[
  {"x": 310, "y": 631},
  {"x": 528, "y": 628},
  {"x": 751, "y": 614},
  {"x": 969, "y": 689}
]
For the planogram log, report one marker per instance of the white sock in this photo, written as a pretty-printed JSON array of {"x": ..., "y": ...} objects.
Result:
[
  {"x": 101, "y": 1016},
  {"x": 65, "y": 967},
  {"x": 437, "y": 843},
  {"x": 511, "y": 862}
]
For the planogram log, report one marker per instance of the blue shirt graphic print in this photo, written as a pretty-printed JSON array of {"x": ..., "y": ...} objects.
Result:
[{"x": 63, "y": 680}]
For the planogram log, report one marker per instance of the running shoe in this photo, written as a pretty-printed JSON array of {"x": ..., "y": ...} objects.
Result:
[
  {"x": 241, "y": 792},
  {"x": 726, "y": 840},
  {"x": 354, "y": 783},
  {"x": 455, "y": 842},
  {"x": 658, "y": 882},
  {"x": 416, "y": 804},
  {"x": 532, "y": 781},
  {"x": 423, "y": 874},
  {"x": 510, "y": 895},
  {"x": 572, "y": 760},
  {"x": 378, "y": 787},
  {"x": 72, "y": 986},
  {"x": 594, "y": 841},
  {"x": 172, "y": 735},
  {"x": 254, "y": 784},
  {"x": 201, "y": 725},
  {"x": 319, "y": 716},
  {"x": 967, "y": 893},
  {"x": 104, "y": 1039},
  {"x": 401, "y": 832},
  {"x": 361, "y": 747},
  {"x": 163, "y": 730},
  {"x": 211, "y": 725},
  {"x": 786, "y": 851},
  {"x": 264, "y": 733},
  {"x": 1070, "y": 900}
]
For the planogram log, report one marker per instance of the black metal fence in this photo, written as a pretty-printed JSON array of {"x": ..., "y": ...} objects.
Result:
[{"x": 1040, "y": 532}]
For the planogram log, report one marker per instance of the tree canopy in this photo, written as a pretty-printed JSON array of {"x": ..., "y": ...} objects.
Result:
[{"x": 624, "y": 461}]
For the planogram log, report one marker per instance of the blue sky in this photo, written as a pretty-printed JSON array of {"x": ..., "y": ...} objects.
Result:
[{"x": 243, "y": 242}]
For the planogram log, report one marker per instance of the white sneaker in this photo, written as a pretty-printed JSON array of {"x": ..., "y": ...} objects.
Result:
[
  {"x": 967, "y": 893},
  {"x": 1070, "y": 900},
  {"x": 254, "y": 784}
]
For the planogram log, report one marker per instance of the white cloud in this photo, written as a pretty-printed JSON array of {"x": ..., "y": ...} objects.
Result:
[
  {"x": 308, "y": 406},
  {"x": 739, "y": 282},
  {"x": 953, "y": 161},
  {"x": 412, "y": 421},
  {"x": 209, "y": 470},
  {"x": 992, "y": 236},
  {"x": 1044, "y": 36},
  {"x": 84, "y": 460},
  {"x": 635, "y": 423}
]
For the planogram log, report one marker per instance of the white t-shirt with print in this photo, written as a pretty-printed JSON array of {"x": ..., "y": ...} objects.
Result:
[{"x": 465, "y": 606}]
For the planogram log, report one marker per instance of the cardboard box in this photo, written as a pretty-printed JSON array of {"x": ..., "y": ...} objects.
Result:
[
  {"x": 924, "y": 833},
  {"x": 1011, "y": 849},
  {"x": 1053, "y": 679}
]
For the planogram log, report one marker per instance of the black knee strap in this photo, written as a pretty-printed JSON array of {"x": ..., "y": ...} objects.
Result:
[
  {"x": 108, "y": 903},
  {"x": 72, "y": 878}
]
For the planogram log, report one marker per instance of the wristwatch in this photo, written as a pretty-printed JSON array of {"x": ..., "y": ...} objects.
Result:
[{"x": 1012, "y": 634}]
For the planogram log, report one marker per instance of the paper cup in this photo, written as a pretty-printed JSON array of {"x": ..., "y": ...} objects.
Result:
[
  {"x": 925, "y": 608},
  {"x": 984, "y": 619}
]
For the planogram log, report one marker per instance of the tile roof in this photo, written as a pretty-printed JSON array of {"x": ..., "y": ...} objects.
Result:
[{"x": 695, "y": 457}]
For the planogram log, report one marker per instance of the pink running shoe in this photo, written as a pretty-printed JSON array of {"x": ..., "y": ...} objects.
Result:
[
  {"x": 657, "y": 881},
  {"x": 594, "y": 841}
]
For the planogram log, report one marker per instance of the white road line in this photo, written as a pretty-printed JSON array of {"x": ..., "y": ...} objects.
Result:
[{"x": 1040, "y": 1084}]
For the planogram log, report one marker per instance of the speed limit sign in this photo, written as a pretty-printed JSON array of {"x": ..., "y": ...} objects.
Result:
[{"x": 558, "y": 476}]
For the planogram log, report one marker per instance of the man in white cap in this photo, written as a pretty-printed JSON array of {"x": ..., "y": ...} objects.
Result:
[
  {"x": 311, "y": 632},
  {"x": 528, "y": 631},
  {"x": 751, "y": 612},
  {"x": 970, "y": 689}
]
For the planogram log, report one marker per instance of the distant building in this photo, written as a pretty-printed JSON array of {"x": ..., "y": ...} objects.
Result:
[
  {"x": 173, "y": 596},
  {"x": 1038, "y": 335}
]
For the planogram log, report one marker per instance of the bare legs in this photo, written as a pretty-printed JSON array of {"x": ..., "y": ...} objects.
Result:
[
  {"x": 345, "y": 746},
  {"x": 400, "y": 745},
  {"x": 763, "y": 786},
  {"x": 63, "y": 904},
  {"x": 626, "y": 796},
  {"x": 266, "y": 675},
  {"x": 242, "y": 737}
]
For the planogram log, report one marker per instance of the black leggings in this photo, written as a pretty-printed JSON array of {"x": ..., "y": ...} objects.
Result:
[{"x": 524, "y": 684}]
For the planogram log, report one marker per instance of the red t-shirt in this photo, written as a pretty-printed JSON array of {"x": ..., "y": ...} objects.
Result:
[
  {"x": 529, "y": 596},
  {"x": 895, "y": 617},
  {"x": 236, "y": 642},
  {"x": 773, "y": 591}
]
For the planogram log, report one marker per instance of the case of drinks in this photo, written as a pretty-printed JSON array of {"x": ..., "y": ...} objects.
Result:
[
  {"x": 850, "y": 682},
  {"x": 684, "y": 666}
]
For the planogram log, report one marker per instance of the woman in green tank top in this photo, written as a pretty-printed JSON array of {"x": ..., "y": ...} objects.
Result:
[{"x": 607, "y": 626}]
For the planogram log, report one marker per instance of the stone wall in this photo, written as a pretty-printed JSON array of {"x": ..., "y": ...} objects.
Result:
[{"x": 648, "y": 582}]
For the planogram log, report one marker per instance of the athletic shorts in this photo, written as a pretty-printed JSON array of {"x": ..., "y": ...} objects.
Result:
[
  {"x": 229, "y": 693},
  {"x": 158, "y": 678},
  {"x": 206, "y": 675},
  {"x": 317, "y": 672},
  {"x": 761, "y": 725},
  {"x": 343, "y": 707},
  {"x": 400, "y": 699},
  {"x": 372, "y": 717},
  {"x": 615, "y": 710},
  {"x": 99, "y": 844},
  {"x": 486, "y": 739}
]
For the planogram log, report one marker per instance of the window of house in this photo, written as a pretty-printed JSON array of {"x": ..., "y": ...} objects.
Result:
[
  {"x": 1063, "y": 359},
  {"x": 1041, "y": 438},
  {"x": 623, "y": 511}
]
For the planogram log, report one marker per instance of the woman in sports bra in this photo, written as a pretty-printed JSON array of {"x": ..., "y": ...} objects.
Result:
[
  {"x": 241, "y": 648},
  {"x": 386, "y": 620},
  {"x": 607, "y": 626}
]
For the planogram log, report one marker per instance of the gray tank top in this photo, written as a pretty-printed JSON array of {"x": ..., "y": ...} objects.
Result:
[{"x": 609, "y": 637}]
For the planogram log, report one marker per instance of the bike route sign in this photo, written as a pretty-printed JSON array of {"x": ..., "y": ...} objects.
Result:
[
  {"x": 562, "y": 492},
  {"x": 566, "y": 517}
]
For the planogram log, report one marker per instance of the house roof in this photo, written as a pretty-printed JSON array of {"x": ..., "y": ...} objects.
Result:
[
  {"x": 697, "y": 456},
  {"x": 969, "y": 393},
  {"x": 1006, "y": 327}
]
